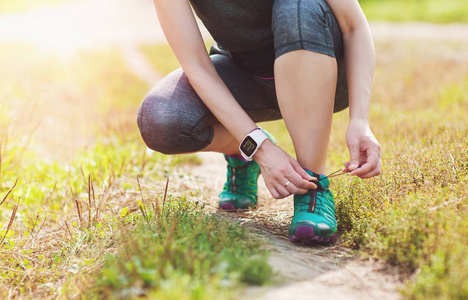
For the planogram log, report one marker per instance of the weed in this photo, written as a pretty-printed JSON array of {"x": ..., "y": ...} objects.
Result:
[
  {"x": 72, "y": 171},
  {"x": 413, "y": 215},
  {"x": 177, "y": 242}
]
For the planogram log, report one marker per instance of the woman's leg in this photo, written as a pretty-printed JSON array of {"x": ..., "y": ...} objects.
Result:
[
  {"x": 306, "y": 83},
  {"x": 173, "y": 119},
  {"x": 223, "y": 141},
  {"x": 307, "y": 43}
]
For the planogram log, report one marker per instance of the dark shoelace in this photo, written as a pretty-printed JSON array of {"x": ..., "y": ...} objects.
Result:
[
  {"x": 334, "y": 174},
  {"x": 313, "y": 193},
  {"x": 234, "y": 175}
]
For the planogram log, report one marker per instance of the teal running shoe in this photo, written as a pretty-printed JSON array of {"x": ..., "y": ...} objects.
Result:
[
  {"x": 240, "y": 189},
  {"x": 314, "y": 214}
]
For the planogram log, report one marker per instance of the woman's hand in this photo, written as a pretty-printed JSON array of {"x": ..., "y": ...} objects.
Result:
[
  {"x": 364, "y": 150},
  {"x": 279, "y": 168}
]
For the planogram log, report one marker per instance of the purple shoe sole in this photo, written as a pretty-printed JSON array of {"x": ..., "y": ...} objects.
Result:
[
  {"x": 306, "y": 234},
  {"x": 228, "y": 206}
]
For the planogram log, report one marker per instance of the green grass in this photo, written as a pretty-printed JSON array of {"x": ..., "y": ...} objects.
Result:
[
  {"x": 437, "y": 11},
  {"x": 415, "y": 214},
  {"x": 177, "y": 252},
  {"x": 68, "y": 136}
]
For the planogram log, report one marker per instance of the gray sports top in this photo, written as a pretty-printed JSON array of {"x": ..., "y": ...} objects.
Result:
[{"x": 243, "y": 27}]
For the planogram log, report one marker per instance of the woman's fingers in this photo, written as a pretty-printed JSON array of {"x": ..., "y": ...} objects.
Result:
[
  {"x": 374, "y": 172},
  {"x": 293, "y": 189},
  {"x": 278, "y": 192},
  {"x": 370, "y": 163},
  {"x": 301, "y": 178},
  {"x": 289, "y": 185},
  {"x": 295, "y": 184},
  {"x": 283, "y": 191},
  {"x": 273, "y": 191},
  {"x": 282, "y": 174},
  {"x": 367, "y": 167},
  {"x": 298, "y": 185}
]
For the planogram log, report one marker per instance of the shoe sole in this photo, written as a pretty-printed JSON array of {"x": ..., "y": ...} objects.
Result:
[
  {"x": 231, "y": 207},
  {"x": 227, "y": 206},
  {"x": 306, "y": 234}
]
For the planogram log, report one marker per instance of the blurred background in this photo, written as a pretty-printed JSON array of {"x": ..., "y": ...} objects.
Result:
[
  {"x": 69, "y": 64},
  {"x": 74, "y": 72}
]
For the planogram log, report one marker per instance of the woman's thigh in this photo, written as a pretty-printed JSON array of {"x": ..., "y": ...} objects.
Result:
[
  {"x": 310, "y": 25},
  {"x": 173, "y": 119}
]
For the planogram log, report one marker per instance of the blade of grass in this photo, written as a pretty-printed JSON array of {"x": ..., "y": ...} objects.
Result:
[
  {"x": 79, "y": 212},
  {"x": 8, "y": 193},
  {"x": 142, "y": 202},
  {"x": 89, "y": 202},
  {"x": 12, "y": 218},
  {"x": 165, "y": 193}
]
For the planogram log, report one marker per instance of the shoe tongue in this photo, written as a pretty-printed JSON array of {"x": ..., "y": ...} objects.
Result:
[
  {"x": 235, "y": 161},
  {"x": 323, "y": 181}
]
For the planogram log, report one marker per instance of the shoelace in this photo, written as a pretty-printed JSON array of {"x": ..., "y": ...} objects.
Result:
[
  {"x": 234, "y": 175},
  {"x": 334, "y": 174},
  {"x": 312, "y": 204}
]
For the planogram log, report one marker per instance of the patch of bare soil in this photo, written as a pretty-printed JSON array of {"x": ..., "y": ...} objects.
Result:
[{"x": 303, "y": 272}]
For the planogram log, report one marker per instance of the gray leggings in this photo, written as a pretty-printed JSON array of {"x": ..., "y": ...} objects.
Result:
[{"x": 173, "y": 119}]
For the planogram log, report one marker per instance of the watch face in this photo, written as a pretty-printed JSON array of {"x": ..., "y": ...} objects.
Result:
[{"x": 248, "y": 146}]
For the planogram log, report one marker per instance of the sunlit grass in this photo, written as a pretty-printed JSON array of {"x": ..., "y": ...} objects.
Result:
[
  {"x": 71, "y": 125},
  {"x": 415, "y": 214},
  {"x": 438, "y": 11},
  {"x": 74, "y": 172},
  {"x": 43, "y": 100},
  {"x": 181, "y": 253}
]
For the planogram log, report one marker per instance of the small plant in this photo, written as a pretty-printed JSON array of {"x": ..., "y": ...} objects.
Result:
[{"x": 178, "y": 243}]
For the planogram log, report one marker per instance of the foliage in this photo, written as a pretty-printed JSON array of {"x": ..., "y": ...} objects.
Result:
[
  {"x": 415, "y": 214},
  {"x": 73, "y": 171},
  {"x": 178, "y": 252},
  {"x": 436, "y": 11}
]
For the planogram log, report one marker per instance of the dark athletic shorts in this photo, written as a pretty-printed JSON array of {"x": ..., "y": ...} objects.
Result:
[{"x": 173, "y": 119}]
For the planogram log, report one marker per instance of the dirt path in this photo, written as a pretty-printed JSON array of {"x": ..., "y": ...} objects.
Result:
[{"x": 303, "y": 272}]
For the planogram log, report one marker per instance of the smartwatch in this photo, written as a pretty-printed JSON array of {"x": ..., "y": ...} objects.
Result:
[{"x": 250, "y": 144}]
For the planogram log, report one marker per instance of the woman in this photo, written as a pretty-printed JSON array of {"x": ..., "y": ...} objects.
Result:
[{"x": 300, "y": 60}]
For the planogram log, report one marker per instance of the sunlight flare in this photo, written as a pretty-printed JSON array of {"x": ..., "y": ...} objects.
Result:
[{"x": 56, "y": 33}]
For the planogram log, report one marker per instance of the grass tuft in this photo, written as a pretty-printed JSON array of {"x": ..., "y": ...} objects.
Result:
[
  {"x": 180, "y": 243},
  {"x": 70, "y": 152}
]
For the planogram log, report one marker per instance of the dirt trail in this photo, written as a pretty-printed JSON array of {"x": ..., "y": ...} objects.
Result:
[{"x": 303, "y": 272}]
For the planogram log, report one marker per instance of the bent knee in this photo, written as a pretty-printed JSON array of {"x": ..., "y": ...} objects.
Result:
[{"x": 165, "y": 128}]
